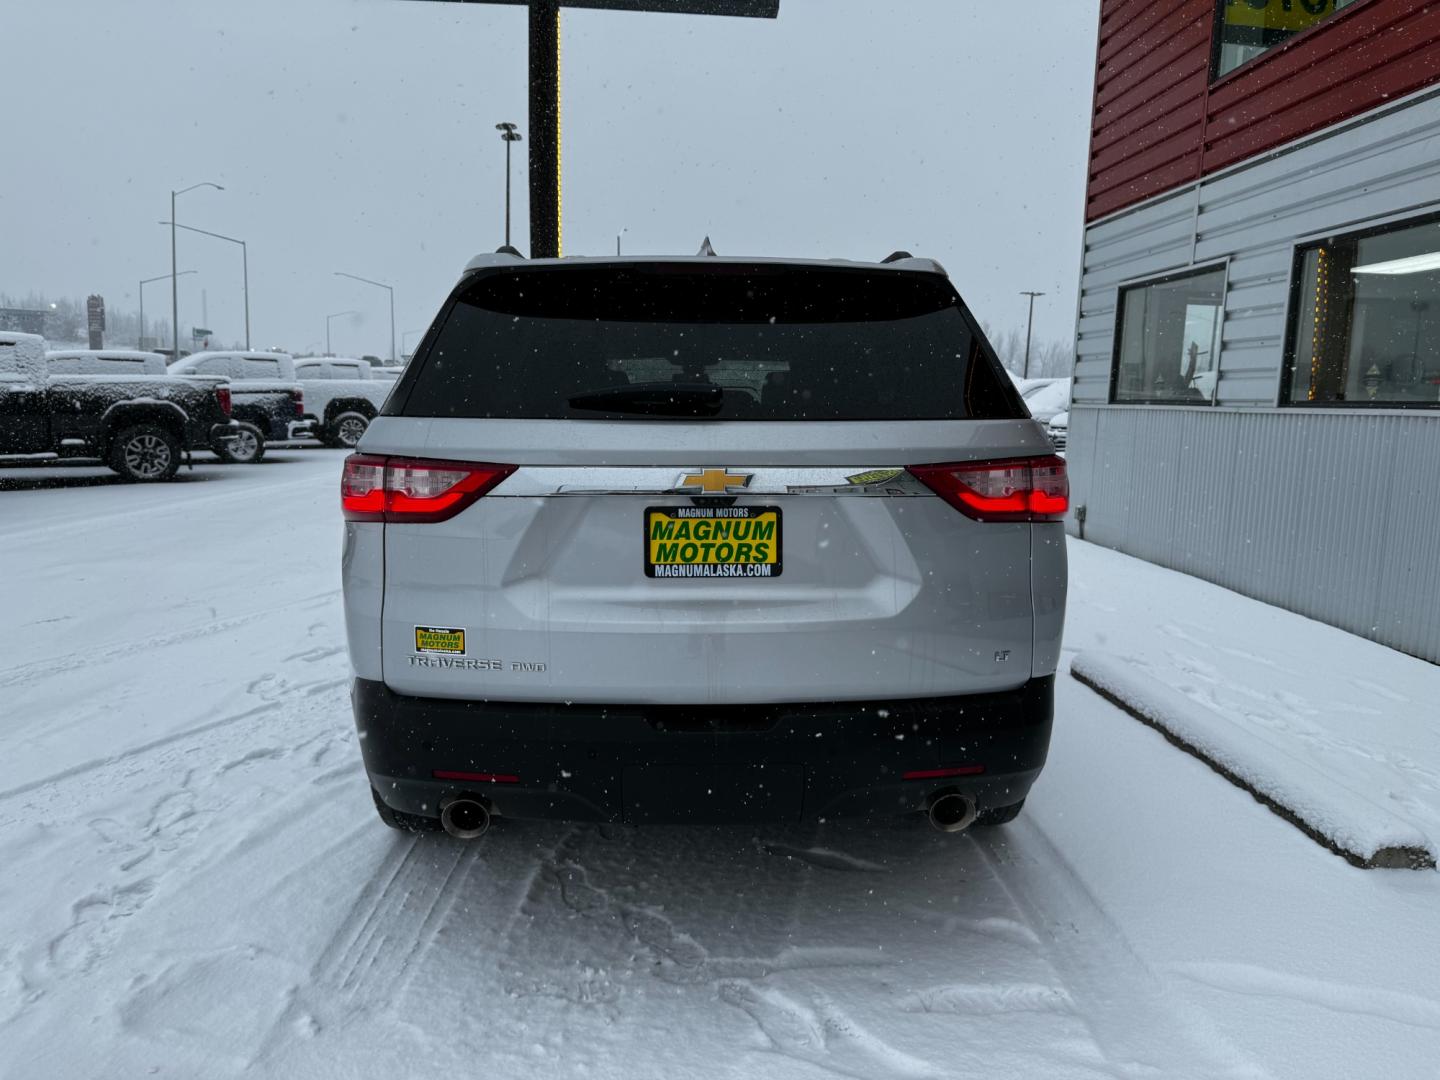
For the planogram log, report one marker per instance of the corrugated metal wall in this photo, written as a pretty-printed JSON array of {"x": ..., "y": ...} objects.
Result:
[
  {"x": 1336, "y": 513},
  {"x": 1159, "y": 121}
]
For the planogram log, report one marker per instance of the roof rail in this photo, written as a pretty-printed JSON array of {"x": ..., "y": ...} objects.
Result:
[
  {"x": 503, "y": 257},
  {"x": 896, "y": 256}
]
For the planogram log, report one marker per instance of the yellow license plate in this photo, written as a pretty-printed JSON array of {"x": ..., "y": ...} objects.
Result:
[{"x": 712, "y": 541}]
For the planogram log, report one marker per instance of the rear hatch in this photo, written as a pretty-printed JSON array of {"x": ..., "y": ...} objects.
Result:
[{"x": 693, "y": 483}]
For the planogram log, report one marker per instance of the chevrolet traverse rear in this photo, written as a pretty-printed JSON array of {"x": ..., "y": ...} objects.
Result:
[{"x": 671, "y": 540}]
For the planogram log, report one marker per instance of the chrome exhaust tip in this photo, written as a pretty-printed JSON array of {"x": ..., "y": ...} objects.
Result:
[
  {"x": 465, "y": 817},
  {"x": 951, "y": 812}
]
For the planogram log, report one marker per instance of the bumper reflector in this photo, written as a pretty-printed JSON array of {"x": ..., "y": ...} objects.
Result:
[
  {"x": 476, "y": 777},
  {"x": 940, "y": 774}
]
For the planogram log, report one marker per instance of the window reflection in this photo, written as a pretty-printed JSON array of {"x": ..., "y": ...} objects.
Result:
[
  {"x": 1368, "y": 319},
  {"x": 1170, "y": 339}
]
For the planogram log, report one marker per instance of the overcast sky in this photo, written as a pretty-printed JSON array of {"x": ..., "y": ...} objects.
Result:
[{"x": 358, "y": 135}]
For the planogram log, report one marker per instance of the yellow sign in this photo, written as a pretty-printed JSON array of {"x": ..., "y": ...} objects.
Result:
[
  {"x": 702, "y": 541},
  {"x": 1290, "y": 15},
  {"x": 440, "y": 639}
]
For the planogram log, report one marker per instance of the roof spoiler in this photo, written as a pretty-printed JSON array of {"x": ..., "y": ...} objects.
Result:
[
  {"x": 502, "y": 256},
  {"x": 903, "y": 260}
]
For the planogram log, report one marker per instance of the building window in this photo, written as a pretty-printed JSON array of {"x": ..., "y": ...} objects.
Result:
[
  {"x": 1366, "y": 325},
  {"x": 1169, "y": 342},
  {"x": 1248, "y": 28}
]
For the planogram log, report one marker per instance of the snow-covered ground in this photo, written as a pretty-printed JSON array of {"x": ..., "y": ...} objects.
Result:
[
  {"x": 1338, "y": 731},
  {"x": 195, "y": 884}
]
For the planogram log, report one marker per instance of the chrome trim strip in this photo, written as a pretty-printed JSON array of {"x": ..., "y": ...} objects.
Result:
[{"x": 532, "y": 481}]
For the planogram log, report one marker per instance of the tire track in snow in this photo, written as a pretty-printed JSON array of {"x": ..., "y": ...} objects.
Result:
[
  {"x": 823, "y": 1035},
  {"x": 1257, "y": 981},
  {"x": 60, "y": 665},
  {"x": 276, "y": 705},
  {"x": 385, "y": 935},
  {"x": 89, "y": 518},
  {"x": 1137, "y": 1025}
]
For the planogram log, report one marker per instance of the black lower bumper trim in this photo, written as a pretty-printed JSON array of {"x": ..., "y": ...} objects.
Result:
[{"x": 703, "y": 763}]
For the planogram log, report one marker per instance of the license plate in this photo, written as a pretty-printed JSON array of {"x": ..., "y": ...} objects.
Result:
[{"x": 712, "y": 541}]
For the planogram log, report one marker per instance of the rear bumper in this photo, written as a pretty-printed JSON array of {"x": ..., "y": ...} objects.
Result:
[
  {"x": 703, "y": 763},
  {"x": 218, "y": 433}
]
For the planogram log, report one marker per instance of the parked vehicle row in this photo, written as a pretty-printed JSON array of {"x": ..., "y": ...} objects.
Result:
[
  {"x": 127, "y": 409},
  {"x": 269, "y": 405},
  {"x": 140, "y": 424}
]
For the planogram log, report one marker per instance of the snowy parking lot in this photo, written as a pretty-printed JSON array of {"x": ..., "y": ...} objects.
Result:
[{"x": 196, "y": 884}]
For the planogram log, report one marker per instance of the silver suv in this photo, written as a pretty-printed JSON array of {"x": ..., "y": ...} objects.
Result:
[{"x": 706, "y": 539}]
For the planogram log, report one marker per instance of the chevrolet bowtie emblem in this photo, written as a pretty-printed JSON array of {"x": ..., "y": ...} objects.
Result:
[{"x": 714, "y": 481}]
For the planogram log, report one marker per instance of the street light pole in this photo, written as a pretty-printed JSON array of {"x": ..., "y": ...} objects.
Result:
[
  {"x": 1029, "y": 324},
  {"x": 391, "y": 291},
  {"x": 510, "y": 135},
  {"x": 337, "y": 315},
  {"x": 174, "y": 284},
  {"x": 244, "y": 263},
  {"x": 146, "y": 281}
]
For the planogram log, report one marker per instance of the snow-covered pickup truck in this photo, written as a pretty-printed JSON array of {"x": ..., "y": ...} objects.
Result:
[
  {"x": 268, "y": 404},
  {"x": 104, "y": 362},
  {"x": 342, "y": 396},
  {"x": 139, "y": 425}
]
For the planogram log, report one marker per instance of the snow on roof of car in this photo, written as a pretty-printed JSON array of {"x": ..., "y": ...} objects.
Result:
[
  {"x": 489, "y": 259},
  {"x": 106, "y": 354},
  {"x": 254, "y": 354},
  {"x": 22, "y": 358},
  {"x": 1043, "y": 402}
]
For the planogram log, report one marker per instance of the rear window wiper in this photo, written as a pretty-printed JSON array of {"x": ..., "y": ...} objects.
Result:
[{"x": 654, "y": 399}]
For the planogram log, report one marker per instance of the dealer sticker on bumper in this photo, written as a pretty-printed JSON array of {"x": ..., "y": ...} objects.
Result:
[
  {"x": 445, "y": 640},
  {"x": 712, "y": 541}
]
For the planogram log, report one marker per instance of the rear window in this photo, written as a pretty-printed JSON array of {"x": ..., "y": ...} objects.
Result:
[{"x": 768, "y": 343}]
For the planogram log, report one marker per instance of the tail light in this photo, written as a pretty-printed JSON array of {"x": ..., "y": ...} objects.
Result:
[
  {"x": 299, "y": 396},
  {"x": 222, "y": 395},
  {"x": 1017, "y": 489},
  {"x": 398, "y": 489}
]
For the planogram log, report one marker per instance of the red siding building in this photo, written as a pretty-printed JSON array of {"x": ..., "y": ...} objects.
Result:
[
  {"x": 1257, "y": 378},
  {"x": 1161, "y": 120}
]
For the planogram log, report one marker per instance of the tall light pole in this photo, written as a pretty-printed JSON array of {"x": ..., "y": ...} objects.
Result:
[
  {"x": 337, "y": 315},
  {"x": 146, "y": 281},
  {"x": 543, "y": 125},
  {"x": 510, "y": 135},
  {"x": 621, "y": 233},
  {"x": 244, "y": 263},
  {"x": 1029, "y": 324},
  {"x": 174, "y": 285},
  {"x": 391, "y": 291}
]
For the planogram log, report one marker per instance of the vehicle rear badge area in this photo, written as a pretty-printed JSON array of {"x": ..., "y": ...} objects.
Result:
[
  {"x": 441, "y": 640},
  {"x": 712, "y": 541}
]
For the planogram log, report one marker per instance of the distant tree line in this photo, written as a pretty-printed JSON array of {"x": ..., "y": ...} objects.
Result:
[
  {"x": 66, "y": 322},
  {"x": 1048, "y": 359}
]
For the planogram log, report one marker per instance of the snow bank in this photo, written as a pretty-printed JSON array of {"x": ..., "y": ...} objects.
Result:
[{"x": 1334, "y": 733}]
